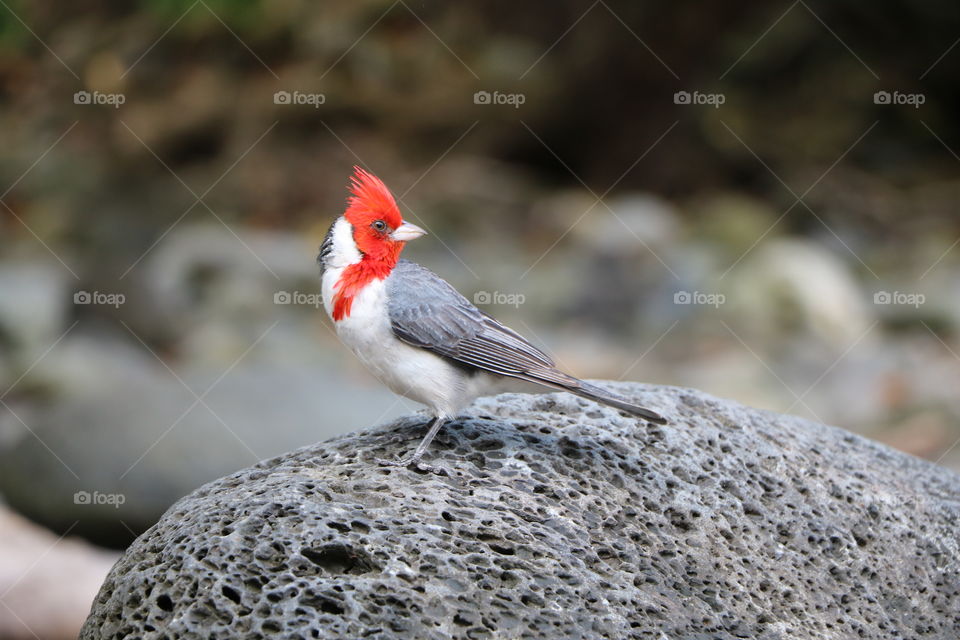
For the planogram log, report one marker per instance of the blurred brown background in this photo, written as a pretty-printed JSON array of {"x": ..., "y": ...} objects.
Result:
[{"x": 754, "y": 199}]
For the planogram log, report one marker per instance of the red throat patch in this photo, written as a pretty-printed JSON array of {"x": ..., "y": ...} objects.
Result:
[
  {"x": 351, "y": 283},
  {"x": 370, "y": 202}
]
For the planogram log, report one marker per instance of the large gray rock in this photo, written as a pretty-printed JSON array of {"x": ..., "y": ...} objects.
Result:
[{"x": 559, "y": 519}]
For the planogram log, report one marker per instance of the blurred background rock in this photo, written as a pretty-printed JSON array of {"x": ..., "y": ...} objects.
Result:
[{"x": 787, "y": 237}]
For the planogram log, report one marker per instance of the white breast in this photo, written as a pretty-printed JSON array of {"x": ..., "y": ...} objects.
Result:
[{"x": 409, "y": 371}]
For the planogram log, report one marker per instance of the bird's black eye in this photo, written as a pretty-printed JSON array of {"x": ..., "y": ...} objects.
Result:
[{"x": 379, "y": 225}]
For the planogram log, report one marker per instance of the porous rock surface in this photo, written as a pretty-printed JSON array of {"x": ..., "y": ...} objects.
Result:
[{"x": 559, "y": 519}]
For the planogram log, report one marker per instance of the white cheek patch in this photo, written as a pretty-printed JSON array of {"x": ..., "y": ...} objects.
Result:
[{"x": 345, "y": 250}]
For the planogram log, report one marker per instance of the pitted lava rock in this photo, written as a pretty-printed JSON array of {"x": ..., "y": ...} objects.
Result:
[{"x": 559, "y": 519}]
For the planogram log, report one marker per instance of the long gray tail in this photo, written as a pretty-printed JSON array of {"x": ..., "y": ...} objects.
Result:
[
  {"x": 565, "y": 382},
  {"x": 593, "y": 392}
]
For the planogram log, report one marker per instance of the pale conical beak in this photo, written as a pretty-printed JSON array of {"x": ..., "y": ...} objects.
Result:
[{"x": 407, "y": 231}]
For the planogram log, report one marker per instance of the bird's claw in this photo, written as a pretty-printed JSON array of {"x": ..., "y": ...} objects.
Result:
[
  {"x": 415, "y": 463},
  {"x": 429, "y": 468}
]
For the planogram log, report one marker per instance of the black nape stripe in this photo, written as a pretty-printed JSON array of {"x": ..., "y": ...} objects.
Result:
[{"x": 327, "y": 245}]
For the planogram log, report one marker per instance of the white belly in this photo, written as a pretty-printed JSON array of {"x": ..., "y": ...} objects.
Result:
[{"x": 409, "y": 371}]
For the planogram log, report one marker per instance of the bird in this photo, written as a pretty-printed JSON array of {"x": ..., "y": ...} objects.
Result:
[{"x": 415, "y": 332}]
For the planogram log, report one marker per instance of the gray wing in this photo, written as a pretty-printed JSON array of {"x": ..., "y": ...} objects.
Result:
[{"x": 427, "y": 312}]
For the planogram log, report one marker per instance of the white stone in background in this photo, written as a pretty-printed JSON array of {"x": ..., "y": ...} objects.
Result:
[
  {"x": 637, "y": 219},
  {"x": 219, "y": 299},
  {"x": 6, "y": 375},
  {"x": 940, "y": 288},
  {"x": 554, "y": 213},
  {"x": 33, "y": 303},
  {"x": 204, "y": 273},
  {"x": 89, "y": 364},
  {"x": 796, "y": 287}
]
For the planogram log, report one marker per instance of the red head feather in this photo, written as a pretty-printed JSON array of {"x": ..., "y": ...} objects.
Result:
[{"x": 370, "y": 202}]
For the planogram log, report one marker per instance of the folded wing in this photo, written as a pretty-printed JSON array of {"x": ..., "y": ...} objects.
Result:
[{"x": 427, "y": 312}]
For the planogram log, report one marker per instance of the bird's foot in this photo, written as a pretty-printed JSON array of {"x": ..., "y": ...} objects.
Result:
[{"x": 414, "y": 462}]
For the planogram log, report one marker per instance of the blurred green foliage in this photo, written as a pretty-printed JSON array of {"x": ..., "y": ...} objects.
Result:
[
  {"x": 399, "y": 79},
  {"x": 12, "y": 32},
  {"x": 241, "y": 15}
]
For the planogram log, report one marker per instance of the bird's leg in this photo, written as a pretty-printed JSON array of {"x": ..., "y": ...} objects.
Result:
[{"x": 413, "y": 460}]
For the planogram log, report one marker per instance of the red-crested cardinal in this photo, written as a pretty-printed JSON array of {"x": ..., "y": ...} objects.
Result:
[{"x": 414, "y": 331}]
